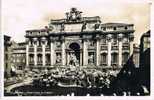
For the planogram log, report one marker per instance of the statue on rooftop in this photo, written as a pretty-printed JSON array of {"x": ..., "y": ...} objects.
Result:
[{"x": 73, "y": 15}]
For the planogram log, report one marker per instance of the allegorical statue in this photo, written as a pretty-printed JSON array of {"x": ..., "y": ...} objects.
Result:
[
  {"x": 73, "y": 15},
  {"x": 58, "y": 60},
  {"x": 91, "y": 59},
  {"x": 73, "y": 60}
]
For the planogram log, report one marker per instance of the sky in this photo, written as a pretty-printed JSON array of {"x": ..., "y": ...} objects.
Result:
[{"x": 21, "y": 15}]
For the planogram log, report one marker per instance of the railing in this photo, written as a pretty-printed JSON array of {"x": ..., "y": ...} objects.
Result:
[
  {"x": 31, "y": 63},
  {"x": 39, "y": 48},
  {"x": 91, "y": 18},
  {"x": 47, "y": 63},
  {"x": 125, "y": 44},
  {"x": 114, "y": 64},
  {"x": 104, "y": 47},
  {"x": 31, "y": 49},
  {"x": 103, "y": 64},
  {"x": 114, "y": 47},
  {"x": 125, "y": 47},
  {"x": 38, "y": 33},
  {"x": 91, "y": 47},
  {"x": 58, "y": 47},
  {"x": 47, "y": 49},
  {"x": 39, "y": 63}
]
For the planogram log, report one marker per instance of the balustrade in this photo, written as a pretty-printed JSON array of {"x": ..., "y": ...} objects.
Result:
[
  {"x": 114, "y": 47},
  {"x": 104, "y": 47},
  {"x": 31, "y": 49}
]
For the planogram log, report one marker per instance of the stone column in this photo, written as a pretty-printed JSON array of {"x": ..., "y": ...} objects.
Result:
[
  {"x": 97, "y": 51},
  {"x": 120, "y": 49},
  {"x": 109, "y": 37},
  {"x": 131, "y": 39},
  {"x": 35, "y": 51},
  {"x": 43, "y": 50},
  {"x": 27, "y": 53},
  {"x": 68, "y": 58},
  {"x": 63, "y": 52},
  {"x": 52, "y": 51},
  {"x": 85, "y": 52},
  {"x": 80, "y": 58}
]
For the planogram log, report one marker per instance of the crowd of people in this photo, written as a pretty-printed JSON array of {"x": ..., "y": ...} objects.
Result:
[{"x": 75, "y": 77}]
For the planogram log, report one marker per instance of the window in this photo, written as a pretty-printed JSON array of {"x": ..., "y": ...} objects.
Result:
[
  {"x": 146, "y": 39},
  {"x": 47, "y": 58},
  {"x": 39, "y": 56},
  {"x": 31, "y": 56},
  {"x": 114, "y": 58},
  {"x": 103, "y": 58}
]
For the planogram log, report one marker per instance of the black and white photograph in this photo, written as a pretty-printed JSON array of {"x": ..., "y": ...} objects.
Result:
[{"x": 76, "y": 48}]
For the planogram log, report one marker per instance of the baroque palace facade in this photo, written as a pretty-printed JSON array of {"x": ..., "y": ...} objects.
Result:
[{"x": 79, "y": 41}]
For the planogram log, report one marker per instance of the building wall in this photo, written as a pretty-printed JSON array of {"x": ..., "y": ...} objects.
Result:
[
  {"x": 100, "y": 44},
  {"x": 136, "y": 55},
  {"x": 18, "y": 56},
  {"x": 82, "y": 41},
  {"x": 7, "y": 55},
  {"x": 145, "y": 47}
]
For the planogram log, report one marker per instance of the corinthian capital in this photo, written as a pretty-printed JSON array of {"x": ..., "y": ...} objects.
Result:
[
  {"x": 62, "y": 38},
  {"x": 120, "y": 36},
  {"x": 43, "y": 40},
  {"x": 27, "y": 40},
  {"x": 35, "y": 40},
  {"x": 52, "y": 39},
  {"x": 109, "y": 37},
  {"x": 131, "y": 37}
]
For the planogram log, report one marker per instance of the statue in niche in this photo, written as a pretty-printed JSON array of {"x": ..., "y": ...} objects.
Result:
[
  {"x": 73, "y": 60},
  {"x": 58, "y": 59},
  {"x": 91, "y": 59}
]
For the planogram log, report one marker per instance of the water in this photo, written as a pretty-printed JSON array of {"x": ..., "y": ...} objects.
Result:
[{"x": 30, "y": 90}]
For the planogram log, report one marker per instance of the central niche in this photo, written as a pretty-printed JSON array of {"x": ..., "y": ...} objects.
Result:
[{"x": 74, "y": 53}]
